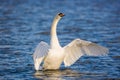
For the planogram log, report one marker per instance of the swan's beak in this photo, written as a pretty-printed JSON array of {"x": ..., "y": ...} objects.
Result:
[{"x": 61, "y": 14}]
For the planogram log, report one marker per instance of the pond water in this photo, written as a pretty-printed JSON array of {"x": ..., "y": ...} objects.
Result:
[{"x": 24, "y": 23}]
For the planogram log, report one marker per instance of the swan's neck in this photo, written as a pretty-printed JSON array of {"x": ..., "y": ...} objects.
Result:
[{"x": 54, "y": 39}]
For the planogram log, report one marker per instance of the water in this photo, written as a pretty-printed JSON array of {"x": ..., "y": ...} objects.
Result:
[{"x": 24, "y": 23}]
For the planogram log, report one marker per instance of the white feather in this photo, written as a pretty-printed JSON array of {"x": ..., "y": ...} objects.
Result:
[
  {"x": 78, "y": 48},
  {"x": 40, "y": 52}
]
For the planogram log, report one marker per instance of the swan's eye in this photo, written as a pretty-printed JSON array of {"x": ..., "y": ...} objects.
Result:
[{"x": 61, "y": 14}]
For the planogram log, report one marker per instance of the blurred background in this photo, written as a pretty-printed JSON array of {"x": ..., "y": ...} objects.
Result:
[{"x": 24, "y": 23}]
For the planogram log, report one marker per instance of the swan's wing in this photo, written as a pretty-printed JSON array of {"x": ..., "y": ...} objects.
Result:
[
  {"x": 78, "y": 47},
  {"x": 39, "y": 54}
]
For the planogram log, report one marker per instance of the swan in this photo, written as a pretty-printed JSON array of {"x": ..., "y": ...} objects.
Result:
[{"x": 51, "y": 56}]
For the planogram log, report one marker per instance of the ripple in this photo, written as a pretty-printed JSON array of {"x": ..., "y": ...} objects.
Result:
[
  {"x": 116, "y": 57},
  {"x": 24, "y": 23},
  {"x": 5, "y": 46}
]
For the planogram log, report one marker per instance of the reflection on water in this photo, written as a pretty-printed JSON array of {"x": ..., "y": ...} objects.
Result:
[
  {"x": 54, "y": 74},
  {"x": 24, "y": 23},
  {"x": 57, "y": 74},
  {"x": 65, "y": 74}
]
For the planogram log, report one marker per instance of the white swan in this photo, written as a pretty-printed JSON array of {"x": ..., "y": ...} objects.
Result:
[{"x": 52, "y": 56}]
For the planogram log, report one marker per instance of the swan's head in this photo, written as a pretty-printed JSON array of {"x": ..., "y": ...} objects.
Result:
[{"x": 61, "y": 14}]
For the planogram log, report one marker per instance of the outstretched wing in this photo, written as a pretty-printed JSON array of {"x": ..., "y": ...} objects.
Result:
[
  {"x": 39, "y": 54},
  {"x": 78, "y": 47}
]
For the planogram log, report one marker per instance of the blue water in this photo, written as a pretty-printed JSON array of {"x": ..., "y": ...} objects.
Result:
[{"x": 24, "y": 23}]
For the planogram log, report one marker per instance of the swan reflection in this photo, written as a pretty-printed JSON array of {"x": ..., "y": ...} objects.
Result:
[{"x": 56, "y": 74}]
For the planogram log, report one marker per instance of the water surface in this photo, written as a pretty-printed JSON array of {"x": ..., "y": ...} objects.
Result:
[{"x": 24, "y": 23}]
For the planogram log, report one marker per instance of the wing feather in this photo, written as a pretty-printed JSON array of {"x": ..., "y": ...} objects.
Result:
[
  {"x": 78, "y": 48},
  {"x": 40, "y": 52}
]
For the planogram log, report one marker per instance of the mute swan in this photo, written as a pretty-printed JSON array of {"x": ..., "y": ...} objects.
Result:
[{"x": 52, "y": 56}]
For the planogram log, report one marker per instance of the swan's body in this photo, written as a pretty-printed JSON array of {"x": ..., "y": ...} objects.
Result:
[
  {"x": 52, "y": 56},
  {"x": 53, "y": 60}
]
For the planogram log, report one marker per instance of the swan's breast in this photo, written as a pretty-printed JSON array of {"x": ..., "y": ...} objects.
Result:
[{"x": 54, "y": 59}]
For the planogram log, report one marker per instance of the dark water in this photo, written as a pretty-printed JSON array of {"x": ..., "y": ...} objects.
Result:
[{"x": 24, "y": 23}]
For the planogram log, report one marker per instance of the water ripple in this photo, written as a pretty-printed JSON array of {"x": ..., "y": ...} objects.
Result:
[{"x": 24, "y": 23}]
